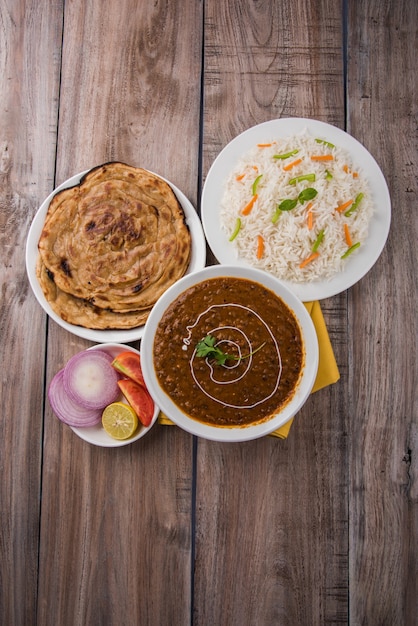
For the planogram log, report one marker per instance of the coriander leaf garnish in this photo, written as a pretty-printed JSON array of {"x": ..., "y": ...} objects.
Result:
[
  {"x": 307, "y": 194},
  {"x": 289, "y": 204},
  {"x": 207, "y": 349}
]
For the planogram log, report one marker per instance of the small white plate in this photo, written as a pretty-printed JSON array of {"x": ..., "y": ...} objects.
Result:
[
  {"x": 213, "y": 191},
  {"x": 97, "y": 435},
  {"x": 197, "y": 262}
]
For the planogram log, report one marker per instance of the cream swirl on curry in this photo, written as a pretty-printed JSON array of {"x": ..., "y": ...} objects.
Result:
[{"x": 242, "y": 350}]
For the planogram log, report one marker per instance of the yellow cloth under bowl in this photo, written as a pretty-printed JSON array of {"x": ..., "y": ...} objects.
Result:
[{"x": 327, "y": 367}]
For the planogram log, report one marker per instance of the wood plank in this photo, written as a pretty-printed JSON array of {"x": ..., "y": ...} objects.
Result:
[
  {"x": 272, "y": 535},
  {"x": 131, "y": 88},
  {"x": 29, "y": 83},
  {"x": 116, "y": 532},
  {"x": 383, "y": 426},
  {"x": 322, "y": 527},
  {"x": 256, "y": 70}
]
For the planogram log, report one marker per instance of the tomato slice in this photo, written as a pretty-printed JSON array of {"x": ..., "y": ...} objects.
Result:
[
  {"x": 139, "y": 399},
  {"x": 129, "y": 364}
]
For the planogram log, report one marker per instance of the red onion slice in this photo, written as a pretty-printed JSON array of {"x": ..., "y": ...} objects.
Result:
[
  {"x": 90, "y": 380},
  {"x": 66, "y": 409}
]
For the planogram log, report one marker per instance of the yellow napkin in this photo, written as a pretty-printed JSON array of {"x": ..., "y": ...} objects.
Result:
[{"x": 327, "y": 367}]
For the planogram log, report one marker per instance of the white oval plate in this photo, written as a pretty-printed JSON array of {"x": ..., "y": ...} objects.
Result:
[
  {"x": 213, "y": 190},
  {"x": 232, "y": 434},
  {"x": 197, "y": 261},
  {"x": 97, "y": 435}
]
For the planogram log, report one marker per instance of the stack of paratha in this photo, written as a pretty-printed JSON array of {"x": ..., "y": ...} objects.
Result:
[{"x": 111, "y": 246}]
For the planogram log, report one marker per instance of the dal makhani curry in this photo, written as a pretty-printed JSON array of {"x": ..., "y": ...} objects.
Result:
[{"x": 229, "y": 352}]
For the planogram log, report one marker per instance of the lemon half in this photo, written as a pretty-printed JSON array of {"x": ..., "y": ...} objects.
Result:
[{"x": 119, "y": 420}]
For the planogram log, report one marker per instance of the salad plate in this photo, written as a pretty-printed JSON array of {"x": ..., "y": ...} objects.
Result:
[
  {"x": 214, "y": 186},
  {"x": 96, "y": 435}
]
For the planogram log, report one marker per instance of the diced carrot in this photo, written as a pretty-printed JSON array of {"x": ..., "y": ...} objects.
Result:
[
  {"x": 322, "y": 157},
  {"x": 260, "y": 246},
  {"x": 348, "y": 171},
  {"x": 309, "y": 216},
  {"x": 264, "y": 145},
  {"x": 255, "y": 168},
  {"x": 248, "y": 207},
  {"x": 292, "y": 164},
  {"x": 240, "y": 177},
  {"x": 347, "y": 236},
  {"x": 344, "y": 206},
  {"x": 309, "y": 259}
]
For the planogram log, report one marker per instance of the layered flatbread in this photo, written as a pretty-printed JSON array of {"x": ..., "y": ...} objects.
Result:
[{"x": 111, "y": 246}]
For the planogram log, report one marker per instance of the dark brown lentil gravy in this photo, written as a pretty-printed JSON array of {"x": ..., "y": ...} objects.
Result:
[{"x": 241, "y": 315}]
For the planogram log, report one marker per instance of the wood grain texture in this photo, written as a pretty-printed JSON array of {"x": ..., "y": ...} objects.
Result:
[
  {"x": 320, "y": 528},
  {"x": 119, "y": 526},
  {"x": 269, "y": 60},
  {"x": 272, "y": 532},
  {"x": 131, "y": 88},
  {"x": 383, "y": 428},
  {"x": 30, "y": 34}
]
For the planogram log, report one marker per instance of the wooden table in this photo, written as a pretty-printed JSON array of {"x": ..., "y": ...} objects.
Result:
[{"x": 320, "y": 528}]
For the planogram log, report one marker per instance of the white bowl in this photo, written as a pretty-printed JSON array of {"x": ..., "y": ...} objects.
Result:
[
  {"x": 233, "y": 433},
  {"x": 97, "y": 434}
]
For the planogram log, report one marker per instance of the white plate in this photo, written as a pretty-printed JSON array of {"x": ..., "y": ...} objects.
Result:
[
  {"x": 97, "y": 435},
  {"x": 197, "y": 261},
  {"x": 232, "y": 434},
  {"x": 213, "y": 190}
]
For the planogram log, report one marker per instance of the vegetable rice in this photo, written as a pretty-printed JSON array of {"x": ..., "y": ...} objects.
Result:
[{"x": 296, "y": 207}]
